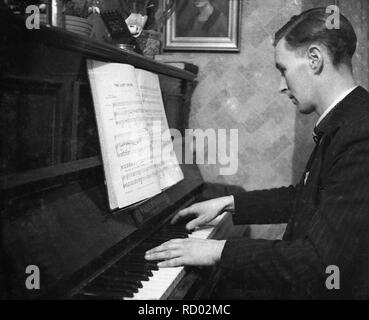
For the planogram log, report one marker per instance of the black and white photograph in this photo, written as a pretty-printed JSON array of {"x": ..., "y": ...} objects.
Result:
[{"x": 193, "y": 153}]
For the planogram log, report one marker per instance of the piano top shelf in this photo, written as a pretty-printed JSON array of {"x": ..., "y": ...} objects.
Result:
[
  {"x": 14, "y": 26},
  {"x": 19, "y": 179}
]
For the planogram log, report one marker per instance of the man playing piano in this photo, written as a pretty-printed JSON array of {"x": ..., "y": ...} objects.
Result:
[{"x": 327, "y": 212}]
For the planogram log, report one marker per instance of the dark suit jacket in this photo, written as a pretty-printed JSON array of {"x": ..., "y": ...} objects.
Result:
[{"x": 328, "y": 219}]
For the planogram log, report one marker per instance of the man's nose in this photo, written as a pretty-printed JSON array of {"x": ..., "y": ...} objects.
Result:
[{"x": 283, "y": 85}]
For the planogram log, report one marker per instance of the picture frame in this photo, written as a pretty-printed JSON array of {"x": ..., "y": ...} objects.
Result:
[{"x": 204, "y": 25}]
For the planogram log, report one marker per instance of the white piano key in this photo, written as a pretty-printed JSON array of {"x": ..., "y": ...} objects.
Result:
[
  {"x": 201, "y": 233},
  {"x": 158, "y": 284}
]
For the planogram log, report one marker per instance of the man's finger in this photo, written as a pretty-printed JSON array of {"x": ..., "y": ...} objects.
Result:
[
  {"x": 176, "y": 262},
  {"x": 163, "y": 255},
  {"x": 193, "y": 223},
  {"x": 169, "y": 245},
  {"x": 180, "y": 214}
]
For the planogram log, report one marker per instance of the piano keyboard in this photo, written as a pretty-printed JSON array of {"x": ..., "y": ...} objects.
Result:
[{"x": 134, "y": 278}]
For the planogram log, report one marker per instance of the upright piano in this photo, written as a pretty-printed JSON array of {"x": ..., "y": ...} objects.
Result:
[{"x": 54, "y": 208}]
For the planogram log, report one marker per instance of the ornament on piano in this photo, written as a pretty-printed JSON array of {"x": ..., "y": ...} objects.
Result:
[{"x": 136, "y": 23}]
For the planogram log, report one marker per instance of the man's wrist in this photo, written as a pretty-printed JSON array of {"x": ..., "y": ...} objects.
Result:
[
  {"x": 219, "y": 250},
  {"x": 228, "y": 204}
]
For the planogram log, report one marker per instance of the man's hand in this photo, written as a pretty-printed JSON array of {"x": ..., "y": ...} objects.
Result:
[
  {"x": 190, "y": 252},
  {"x": 205, "y": 211}
]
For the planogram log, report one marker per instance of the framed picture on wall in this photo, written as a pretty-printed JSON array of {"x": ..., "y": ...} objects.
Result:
[{"x": 204, "y": 25}]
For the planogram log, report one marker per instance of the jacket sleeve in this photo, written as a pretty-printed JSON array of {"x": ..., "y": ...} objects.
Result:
[
  {"x": 338, "y": 233},
  {"x": 264, "y": 206}
]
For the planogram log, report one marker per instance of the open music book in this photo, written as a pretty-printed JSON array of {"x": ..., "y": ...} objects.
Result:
[{"x": 136, "y": 146}]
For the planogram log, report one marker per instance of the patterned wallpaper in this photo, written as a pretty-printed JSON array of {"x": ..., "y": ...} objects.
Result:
[{"x": 240, "y": 90}]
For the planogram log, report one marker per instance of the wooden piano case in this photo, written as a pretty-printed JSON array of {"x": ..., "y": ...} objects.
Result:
[{"x": 54, "y": 210}]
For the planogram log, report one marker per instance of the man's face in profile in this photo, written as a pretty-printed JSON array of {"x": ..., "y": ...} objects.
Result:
[{"x": 296, "y": 81}]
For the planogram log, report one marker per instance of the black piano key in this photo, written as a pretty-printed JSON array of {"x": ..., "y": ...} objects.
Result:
[
  {"x": 140, "y": 259},
  {"x": 170, "y": 236},
  {"x": 97, "y": 286},
  {"x": 133, "y": 285},
  {"x": 106, "y": 294},
  {"x": 122, "y": 280},
  {"x": 124, "y": 286},
  {"x": 175, "y": 226},
  {"x": 160, "y": 239},
  {"x": 149, "y": 245},
  {"x": 135, "y": 266},
  {"x": 151, "y": 265},
  {"x": 135, "y": 257},
  {"x": 141, "y": 277},
  {"x": 102, "y": 285},
  {"x": 82, "y": 296},
  {"x": 138, "y": 276},
  {"x": 131, "y": 274},
  {"x": 165, "y": 231},
  {"x": 175, "y": 230},
  {"x": 120, "y": 272},
  {"x": 141, "y": 272}
]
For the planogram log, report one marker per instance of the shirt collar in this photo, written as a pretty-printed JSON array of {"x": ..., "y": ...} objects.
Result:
[{"x": 335, "y": 102}]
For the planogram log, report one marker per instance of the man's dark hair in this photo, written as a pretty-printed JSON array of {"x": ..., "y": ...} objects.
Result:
[{"x": 310, "y": 26}]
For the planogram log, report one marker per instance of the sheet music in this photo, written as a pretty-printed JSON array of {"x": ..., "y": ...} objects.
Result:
[
  {"x": 162, "y": 147},
  {"x": 125, "y": 139}
]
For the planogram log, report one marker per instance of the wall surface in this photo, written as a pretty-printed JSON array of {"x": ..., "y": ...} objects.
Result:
[{"x": 240, "y": 90}]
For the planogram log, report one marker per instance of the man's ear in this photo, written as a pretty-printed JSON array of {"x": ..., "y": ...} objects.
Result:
[{"x": 316, "y": 58}]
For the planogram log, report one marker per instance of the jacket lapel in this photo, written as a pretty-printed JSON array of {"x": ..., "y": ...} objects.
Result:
[
  {"x": 326, "y": 131},
  {"x": 341, "y": 112}
]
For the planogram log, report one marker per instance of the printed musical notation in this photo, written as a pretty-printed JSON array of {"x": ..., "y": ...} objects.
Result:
[
  {"x": 138, "y": 177},
  {"x": 125, "y": 148},
  {"x": 166, "y": 162},
  {"x": 129, "y": 106}
]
